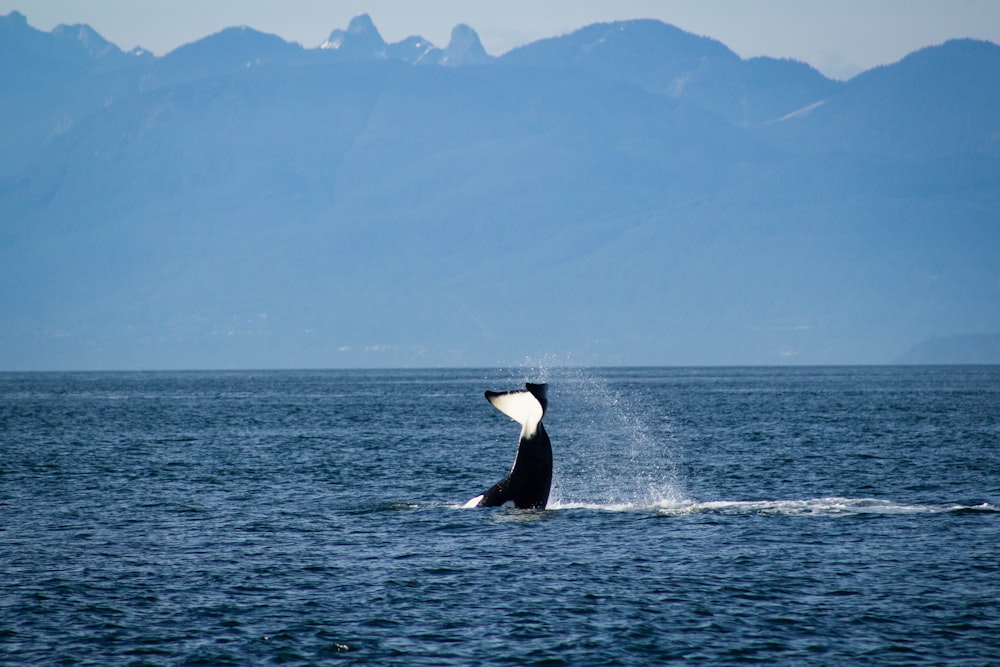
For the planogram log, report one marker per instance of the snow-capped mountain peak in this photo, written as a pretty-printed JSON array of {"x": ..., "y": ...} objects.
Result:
[{"x": 361, "y": 39}]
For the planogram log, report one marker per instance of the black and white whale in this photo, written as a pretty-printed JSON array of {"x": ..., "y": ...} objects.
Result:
[{"x": 527, "y": 484}]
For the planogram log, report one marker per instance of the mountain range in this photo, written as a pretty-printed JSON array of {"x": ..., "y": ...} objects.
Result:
[{"x": 628, "y": 193}]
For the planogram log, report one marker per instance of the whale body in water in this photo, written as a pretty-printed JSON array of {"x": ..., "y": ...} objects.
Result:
[{"x": 528, "y": 482}]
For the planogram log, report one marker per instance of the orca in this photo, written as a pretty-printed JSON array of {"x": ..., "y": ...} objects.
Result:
[{"x": 528, "y": 482}]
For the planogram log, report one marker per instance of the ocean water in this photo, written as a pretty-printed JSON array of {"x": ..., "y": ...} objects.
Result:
[{"x": 698, "y": 516}]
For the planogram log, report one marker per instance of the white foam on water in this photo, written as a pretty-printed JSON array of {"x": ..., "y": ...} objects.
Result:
[
  {"x": 832, "y": 506},
  {"x": 598, "y": 507}
]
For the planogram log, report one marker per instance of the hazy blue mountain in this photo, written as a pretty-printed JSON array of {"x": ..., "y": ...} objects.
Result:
[
  {"x": 464, "y": 48},
  {"x": 31, "y": 60},
  {"x": 666, "y": 60},
  {"x": 360, "y": 41},
  {"x": 226, "y": 52},
  {"x": 415, "y": 50},
  {"x": 645, "y": 51},
  {"x": 937, "y": 101},
  {"x": 84, "y": 37},
  {"x": 628, "y": 193}
]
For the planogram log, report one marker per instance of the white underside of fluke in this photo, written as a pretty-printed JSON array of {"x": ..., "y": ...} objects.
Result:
[
  {"x": 522, "y": 407},
  {"x": 473, "y": 502}
]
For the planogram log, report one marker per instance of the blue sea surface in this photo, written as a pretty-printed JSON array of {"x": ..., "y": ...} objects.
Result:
[{"x": 845, "y": 515}]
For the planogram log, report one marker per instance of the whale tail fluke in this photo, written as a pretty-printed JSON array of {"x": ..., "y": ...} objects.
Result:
[{"x": 525, "y": 406}]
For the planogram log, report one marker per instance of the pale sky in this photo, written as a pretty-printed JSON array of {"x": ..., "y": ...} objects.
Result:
[{"x": 837, "y": 37}]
